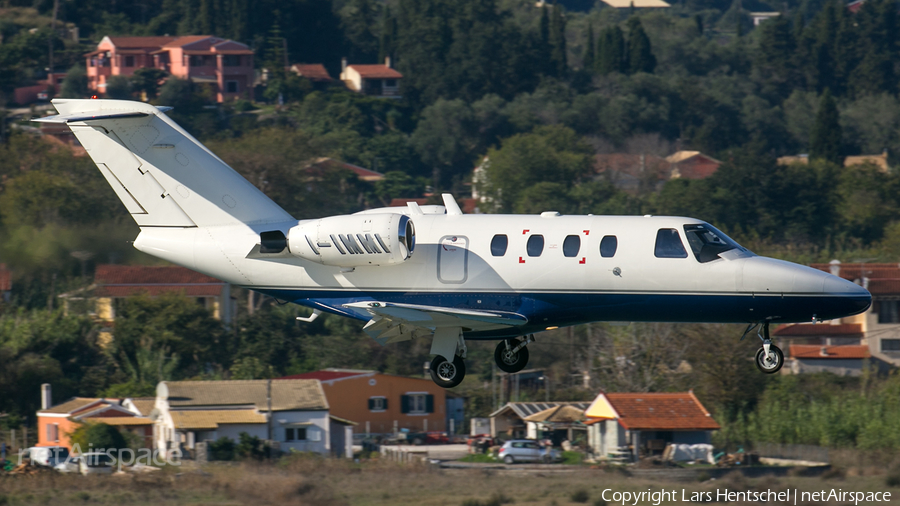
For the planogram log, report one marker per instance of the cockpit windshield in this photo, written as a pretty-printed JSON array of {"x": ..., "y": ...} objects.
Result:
[{"x": 707, "y": 242}]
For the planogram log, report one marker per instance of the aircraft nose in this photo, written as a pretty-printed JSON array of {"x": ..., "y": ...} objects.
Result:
[{"x": 857, "y": 298}]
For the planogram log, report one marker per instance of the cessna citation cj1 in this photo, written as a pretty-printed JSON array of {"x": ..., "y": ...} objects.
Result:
[{"x": 420, "y": 271}]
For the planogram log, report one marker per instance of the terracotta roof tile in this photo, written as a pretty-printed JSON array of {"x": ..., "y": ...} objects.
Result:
[
  {"x": 144, "y": 404},
  {"x": 123, "y": 420},
  {"x": 312, "y": 71},
  {"x": 376, "y": 72},
  {"x": 808, "y": 329},
  {"x": 140, "y": 42},
  {"x": 829, "y": 352},
  {"x": 5, "y": 279},
  {"x": 661, "y": 411},
  {"x": 70, "y": 406},
  {"x": 190, "y": 39},
  {"x": 287, "y": 395},
  {"x": 325, "y": 164},
  {"x": 145, "y": 275}
]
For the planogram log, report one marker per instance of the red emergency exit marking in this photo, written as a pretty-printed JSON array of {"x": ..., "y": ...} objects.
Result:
[
  {"x": 521, "y": 260},
  {"x": 582, "y": 260},
  {"x": 525, "y": 231},
  {"x": 587, "y": 232}
]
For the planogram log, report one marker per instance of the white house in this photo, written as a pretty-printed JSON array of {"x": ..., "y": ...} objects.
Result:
[{"x": 293, "y": 413}]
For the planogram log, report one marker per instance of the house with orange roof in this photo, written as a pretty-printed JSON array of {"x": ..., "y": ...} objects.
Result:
[
  {"x": 644, "y": 423},
  {"x": 5, "y": 283},
  {"x": 56, "y": 424},
  {"x": 224, "y": 65},
  {"x": 845, "y": 346},
  {"x": 315, "y": 72},
  {"x": 374, "y": 80},
  {"x": 692, "y": 165}
]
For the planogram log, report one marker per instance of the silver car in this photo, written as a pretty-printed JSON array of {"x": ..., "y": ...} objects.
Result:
[{"x": 527, "y": 450}]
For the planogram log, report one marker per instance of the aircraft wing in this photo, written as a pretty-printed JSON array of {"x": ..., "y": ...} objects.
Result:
[{"x": 393, "y": 322}]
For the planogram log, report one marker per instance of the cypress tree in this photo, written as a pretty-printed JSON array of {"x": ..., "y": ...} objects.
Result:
[
  {"x": 388, "y": 34},
  {"x": 640, "y": 56},
  {"x": 558, "y": 42},
  {"x": 698, "y": 20},
  {"x": 877, "y": 21},
  {"x": 611, "y": 51},
  {"x": 589, "y": 49},
  {"x": 826, "y": 136}
]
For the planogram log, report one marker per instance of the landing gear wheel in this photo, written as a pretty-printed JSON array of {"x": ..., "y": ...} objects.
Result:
[
  {"x": 772, "y": 363},
  {"x": 447, "y": 374},
  {"x": 509, "y": 361}
]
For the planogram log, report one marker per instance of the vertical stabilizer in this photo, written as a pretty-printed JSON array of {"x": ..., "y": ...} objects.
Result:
[{"x": 163, "y": 176}]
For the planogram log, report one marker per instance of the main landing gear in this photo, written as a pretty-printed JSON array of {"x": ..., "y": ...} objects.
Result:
[
  {"x": 511, "y": 355},
  {"x": 769, "y": 358}
]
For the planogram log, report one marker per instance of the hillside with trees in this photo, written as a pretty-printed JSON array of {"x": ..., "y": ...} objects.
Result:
[{"x": 539, "y": 91}]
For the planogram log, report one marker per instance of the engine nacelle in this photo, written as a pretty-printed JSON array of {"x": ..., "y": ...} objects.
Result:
[{"x": 354, "y": 240}]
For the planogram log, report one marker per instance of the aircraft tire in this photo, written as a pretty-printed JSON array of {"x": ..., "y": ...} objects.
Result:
[
  {"x": 447, "y": 374},
  {"x": 766, "y": 365},
  {"x": 510, "y": 363}
]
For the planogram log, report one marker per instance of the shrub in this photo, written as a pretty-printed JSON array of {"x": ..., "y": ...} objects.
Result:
[
  {"x": 222, "y": 449},
  {"x": 580, "y": 496}
]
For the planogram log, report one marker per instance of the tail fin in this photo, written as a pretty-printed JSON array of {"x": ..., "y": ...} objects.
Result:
[{"x": 164, "y": 176}]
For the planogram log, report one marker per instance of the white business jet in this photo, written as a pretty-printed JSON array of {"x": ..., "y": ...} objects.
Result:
[{"x": 431, "y": 271}]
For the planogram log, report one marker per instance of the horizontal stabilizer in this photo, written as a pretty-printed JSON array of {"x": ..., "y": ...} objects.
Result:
[{"x": 88, "y": 116}]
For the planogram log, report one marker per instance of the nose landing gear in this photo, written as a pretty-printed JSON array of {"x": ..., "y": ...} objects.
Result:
[{"x": 769, "y": 358}]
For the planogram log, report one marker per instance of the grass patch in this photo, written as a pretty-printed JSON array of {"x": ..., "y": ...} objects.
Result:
[
  {"x": 573, "y": 458},
  {"x": 580, "y": 496},
  {"x": 479, "y": 458}
]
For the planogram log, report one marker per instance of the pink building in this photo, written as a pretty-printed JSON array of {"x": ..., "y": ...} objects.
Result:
[{"x": 225, "y": 65}]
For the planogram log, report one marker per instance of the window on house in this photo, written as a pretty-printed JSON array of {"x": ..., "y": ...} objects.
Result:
[
  {"x": 888, "y": 311},
  {"x": 377, "y": 404},
  {"x": 231, "y": 60},
  {"x": 499, "y": 244},
  {"x": 890, "y": 345},
  {"x": 669, "y": 245},
  {"x": 231, "y": 87},
  {"x": 535, "y": 245},
  {"x": 571, "y": 245},
  {"x": 129, "y": 61},
  {"x": 608, "y": 246},
  {"x": 390, "y": 83},
  {"x": 417, "y": 404},
  {"x": 295, "y": 434},
  {"x": 198, "y": 60},
  {"x": 52, "y": 432}
]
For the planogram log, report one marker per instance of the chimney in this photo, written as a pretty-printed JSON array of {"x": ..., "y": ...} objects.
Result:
[
  {"x": 835, "y": 267},
  {"x": 823, "y": 351},
  {"x": 46, "y": 397},
  {"x": 387, "y": 61},
  {"x": 343, "y": 64}
]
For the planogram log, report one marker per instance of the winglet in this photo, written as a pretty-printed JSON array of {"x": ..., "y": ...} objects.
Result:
[{"x": 450, "y": 204}]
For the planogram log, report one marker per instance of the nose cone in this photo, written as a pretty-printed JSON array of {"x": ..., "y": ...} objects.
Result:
[{"x": 855, "y": 298}]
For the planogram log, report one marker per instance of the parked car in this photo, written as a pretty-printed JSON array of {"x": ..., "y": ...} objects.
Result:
[
  {"x": 95, "y": 463},
  {"x": 527, "y": 450},
  {"x": 46, "y": 456},
  {"x": 70, "y": 465},
  {"x": 428, "y": 438}
]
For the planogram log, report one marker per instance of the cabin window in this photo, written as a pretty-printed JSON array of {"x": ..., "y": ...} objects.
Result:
[
  {"x": 707, "y": 243},
  {"x": 608, "y": 246},
  {"x": 499, "y": 244},
  {"x": 571, "y": 245},
  {"x": 669, "y": 245},
  {"x": 535, "y": 246}
]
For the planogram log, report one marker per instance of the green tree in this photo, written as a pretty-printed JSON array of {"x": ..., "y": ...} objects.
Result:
[
  {"x": 118, "y": 87},
  {"x": 397, "y": 184},
  {"x": 826, "y": 138},
  {"x": 640, "y": 55},
  {"x": 590, "y": 49},
  {"x": 443, "y": 139},
  {"x": 75, "y": 84},
  {"x": 388, "y": 36},
  {"x": 549, "y": 154},
  {"x": 358, "y": 23},
  {"x": 611, "y": 55},
  {"x": 557, "y": 40},
  {"x": 774, "y": 57},
  {"x": 147, "y": 80},
  {"x": 98, "y": 437}
]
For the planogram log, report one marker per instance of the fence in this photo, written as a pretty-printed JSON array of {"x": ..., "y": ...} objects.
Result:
[
  {"x": 17, "y": 439},
  {"x": 792, "y": 452}
]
